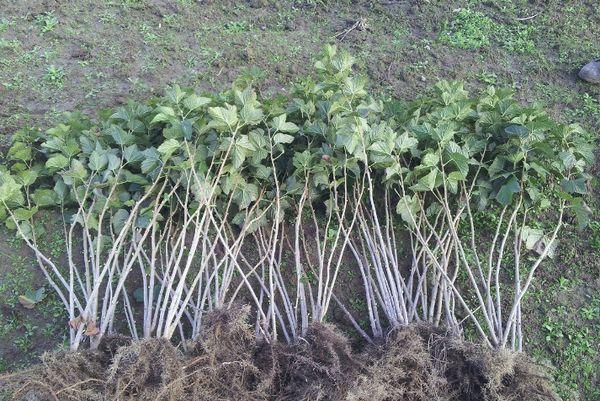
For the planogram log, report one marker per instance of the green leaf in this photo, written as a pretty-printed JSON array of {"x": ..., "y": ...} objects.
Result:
[
  {"x": 149, "y": 164},
  {"x": 574, "y": 186},
  {"x": 22, "y": 214},
  {"x": 193, "y": 102},
  {"x": 223, "y": 117},
  {"x": 113, "y": 161},
  {"x": 249, "y": 193},
  {"x": 132, "y": 154},
  {"x": 44, "y": 197},
  {"x": 98, "y": 160},
  {"x": 282, "y": 138},
  {"x": 430, "y": 159},
  {"x": 165, "y": 114},
  {"x": 9, "y": 189},
  {"x": 279, "y": 124},
  {"x": 61, "y": 190},
  {"x": 119, "y": 219},
  {"x": 582, "y": 212},
  {"x": 568, "y": 159},
  {"x": 251, "y": 115},
  {"x": 405, "y": 142},
  {"x": 506, "y": 192},
  {"x": 517, "y": 130},
  {"x": 31, "y": 298},
  {"x": 460, "y": 162},
  {"x": 407, "y": 208},
  {"x": 453, "y": 179},
  {"x": 426, "y": 183},
  {"x": 57, "y": 162},
  {"x": 168, "y": 147},
  {"x": 27, "y": 177},
  {"x": 19, "y": 151},
  {"x": 120, "y": 136}
]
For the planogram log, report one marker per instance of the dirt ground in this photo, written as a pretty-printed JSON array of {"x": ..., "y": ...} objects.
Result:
[{"x": 66, "y": 55}]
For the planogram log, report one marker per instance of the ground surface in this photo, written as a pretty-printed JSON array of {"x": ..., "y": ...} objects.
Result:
[{"x": 58, "y": 56}]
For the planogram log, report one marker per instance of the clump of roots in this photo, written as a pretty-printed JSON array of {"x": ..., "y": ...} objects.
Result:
[
  {"x": 147, "y": 369},
  {"x": 319, "y": 367},
  {"x": 228, "y": 363},
  {"x": 402, "y": 369},
  {"x": 421, "y": 362}
]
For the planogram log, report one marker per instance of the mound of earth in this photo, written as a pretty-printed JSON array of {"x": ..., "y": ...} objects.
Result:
[{"x": 228, "y": 363}]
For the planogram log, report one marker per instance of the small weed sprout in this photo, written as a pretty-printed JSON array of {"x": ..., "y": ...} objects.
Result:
[{"x": 46, "y": 22}]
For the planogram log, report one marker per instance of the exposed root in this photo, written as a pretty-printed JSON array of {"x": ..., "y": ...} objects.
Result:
[
  {"x": 320, "y": 367},
  {"x": 227, "y": 363},
  {"x": 417, "y": 363},
  {"x": 422, "y": 362},
  {"x": 148, "y": 369}
]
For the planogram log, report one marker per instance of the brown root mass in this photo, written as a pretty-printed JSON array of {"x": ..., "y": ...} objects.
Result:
[{"x": 228, "y": 363}]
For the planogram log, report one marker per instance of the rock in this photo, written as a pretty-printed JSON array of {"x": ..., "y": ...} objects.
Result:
[{"x": 591, "y": 72}]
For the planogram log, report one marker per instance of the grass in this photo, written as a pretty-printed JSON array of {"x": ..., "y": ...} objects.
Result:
[
  {"x": 44, "y": 70},
  {"x": 469, "y": 30}
]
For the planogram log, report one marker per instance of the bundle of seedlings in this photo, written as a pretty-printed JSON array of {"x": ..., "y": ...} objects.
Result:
[
  {"x": 176, "y": 211},
  {"x": 470, "y": 156}
]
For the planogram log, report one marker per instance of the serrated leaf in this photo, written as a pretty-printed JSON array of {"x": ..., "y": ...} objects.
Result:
[
  {"x": 506, "y": 192},
  {"x": 405, "y": 142},
  {"x": 517, "y": 130},
  {"x": 168, "y": 147},
  {"x": 98, "y": 160},
  {"x": 132, "y": 154},
  {"x": 193, "y": 102},
  {"x": 460, "y": 162},
  {"x": 57, "y": 162},
  {"x": 430, "y": 159},
  {"x": 408, "y": 207},
  {"x": 223, "y": 117},
  {"x": 251, "y": 115},
  {"x": 19, "y": 151},
  {"x": 574, "y": 186},
  {"x": 282, "y": 138},
  {"x": 249, "y": 193},
  {"x": 44, "y": 197},
  {"x": 427, "y": 182},
  {"x": 279, "y": 124},
  {"x": 9, "y": 189},
  {"x": 119, "y": 219},
  {"x": 27, "y": 177},
  {"x": 149, "y": 164}
]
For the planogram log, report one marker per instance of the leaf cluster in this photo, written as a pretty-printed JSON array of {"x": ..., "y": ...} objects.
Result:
[{"x": 327, "y": 133}]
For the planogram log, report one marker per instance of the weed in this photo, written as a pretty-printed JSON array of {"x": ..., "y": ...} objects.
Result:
[
  {"x": 46, "y": 21},
  {"x": 10, "y": 44},
  {"x": 147, "y": 33},
  {"x": 235, "y": 27},
  {"x": 108, "y": 18},
  {"x": 25, "y": 341},
  {"x": 469, "y": 30},
  {"x": 55, "y": 75},
  {"x": 171, "y": 19},
  {"x": 488, "y": 78},
  {"x": 5, "y": 24},
  {"x": 517, "y": 39}
]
